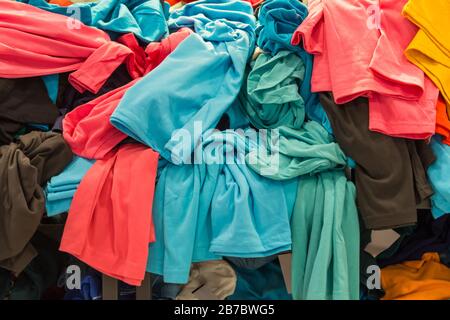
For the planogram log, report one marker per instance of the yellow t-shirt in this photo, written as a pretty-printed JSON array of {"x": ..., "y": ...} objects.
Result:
[
  {"x": 430, "y": 49},
  {"x": 425, "y": 279}
]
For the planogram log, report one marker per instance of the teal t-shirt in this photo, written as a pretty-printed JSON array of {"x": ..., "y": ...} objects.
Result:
[
  {"x": 325, "y": 239},
  {"x": 439, "y": 176}
]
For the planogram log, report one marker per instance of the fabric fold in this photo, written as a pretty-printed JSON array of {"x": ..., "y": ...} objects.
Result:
[
  {"x": 25, "y": 166},
  {"x": 59, "y": 45},
  {"x": 110, "y": 224},
  {"x": 213, "y": 59},
  {"x": 146, "y": 19}
]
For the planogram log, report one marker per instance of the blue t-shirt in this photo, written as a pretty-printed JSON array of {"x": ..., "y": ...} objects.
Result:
[{"x": 439, "y": 176}]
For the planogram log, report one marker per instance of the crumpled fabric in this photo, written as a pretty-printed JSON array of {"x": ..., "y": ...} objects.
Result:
[
  {"x": 277, "y": 22},
  {"x": 57, "y": 47},
  {"x": 23, "y": 102},
  {"x": 430, "y": 47},
  {"x": 306, "y": 151},
  {"x": 390, "y": 174},
  {"x": 223, "y": 202},
  {"x": 325, "y": 239},
  {"x": 439, "y": 175},
  {"x": 264, "y": 283},
  {"x": 430, "y": 235},
  {"x": 324, "y": 194},
  {"x": 217, "y": 275},
  {"x": 25, "y": 166},
  {"x": 402, "y": 100},
  {"x": 324, "y": 222},
  {"x": 278, "y": 19},
  {"x": 90, "y": 135},
  {"x": 424, "y": 279},
  {"x": 270, "y": 96},
  {"x": 442, "y": 121},
  {"x": 69, "y": 98},
  {"x": 110, "y": 224},
  {"x": 60, "y": 189},
  {"x": 39, "y": 275},
  {"x": 87, "y": 128},
  {"x": 172, "y": 3},
  {"x": 213, "y": 61},
  {"x": 144, "y": 18}
]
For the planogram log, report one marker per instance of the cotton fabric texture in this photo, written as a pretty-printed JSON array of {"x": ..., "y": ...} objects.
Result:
[
  {"x": 61, "y": 188},
  {"x": 217, "y": 275},
  {"x": 146, "y": 19},
  {"x": 23, "y": 102},
  {"x": 402, "y": 100},
  {"x": 87, "y": 128},
  {"x": 25, "y": 167},
  {"x": 213, "y": 58},
  {"x": 208, "y": 227},
  {"x": 438, "y": 174},
  {"x": 277, "y": 22},
  {"x": 390, "y": 173},
  {"x": 110, "y": 225},
  {"x": 325, "y": 263},
  {"x": 442, "y": 121},
  {"x": 425, "y": 279},
  {"x": 57, "y": 48},
  {"x": 430, "y": 235},
  {"x": 430, "y": 48}
]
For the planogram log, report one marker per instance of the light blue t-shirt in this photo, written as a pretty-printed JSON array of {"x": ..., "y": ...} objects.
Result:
[
  {"x": 204, "y": 211},
  {"x": 197, "y": 83},
  {"x": 60, "y": 189}
]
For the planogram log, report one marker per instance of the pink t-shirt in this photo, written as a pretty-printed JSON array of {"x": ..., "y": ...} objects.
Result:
[
  {"x": 358, "y": 47},
  {"x": 34, "y": 42}
]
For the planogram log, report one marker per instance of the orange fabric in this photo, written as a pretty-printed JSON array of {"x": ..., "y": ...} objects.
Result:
[
  {"x": 425, "y": 279},
  {"x": 62, "y": 3},
  {"x": 442, "y": 121},
  {"x": 110, "y": 223}
]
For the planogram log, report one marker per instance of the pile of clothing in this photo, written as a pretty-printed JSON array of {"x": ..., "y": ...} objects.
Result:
[{"x": 200, "y": 140}]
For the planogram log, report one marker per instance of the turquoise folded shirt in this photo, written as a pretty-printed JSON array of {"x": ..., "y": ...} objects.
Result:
[{"x": 60, "y": 189}]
